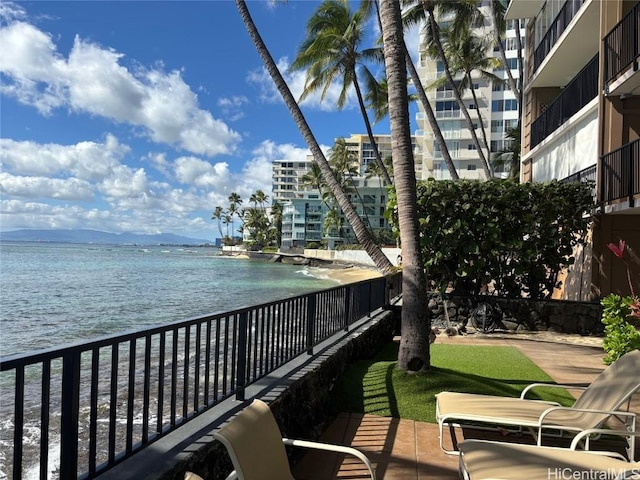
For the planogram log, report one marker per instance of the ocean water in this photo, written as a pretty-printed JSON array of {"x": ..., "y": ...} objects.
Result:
[{"x": 55, "y": 294}]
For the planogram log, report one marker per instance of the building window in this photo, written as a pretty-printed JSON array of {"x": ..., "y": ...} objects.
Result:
[
  {"x": 497, "y": 105},
  {"x": 511, "y": 44},
  {"x": 510, "y": 105},
  {"x": 497, "y": 126},
  {"x": 471, "y": 166}
]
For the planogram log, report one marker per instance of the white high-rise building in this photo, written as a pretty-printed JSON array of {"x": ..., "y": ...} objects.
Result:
[{"x": 497, "y": 106}]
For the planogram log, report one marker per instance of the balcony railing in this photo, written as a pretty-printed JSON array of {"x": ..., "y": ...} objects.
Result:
[
  {"x": 555, "y": 31},
  {"x": 620, "y": 175},
  {"x": 580, "y": 91},
  {"x": 104, "y": 400},
  {"x": 587, "y": 175},
  {"x": 622, "y": 45}
]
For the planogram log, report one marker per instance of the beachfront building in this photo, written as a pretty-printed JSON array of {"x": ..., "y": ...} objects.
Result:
[
  {"x": 497, "y": 107},
  {"x": 581, "y": 121},
  {"x": 307, "y": 218}
]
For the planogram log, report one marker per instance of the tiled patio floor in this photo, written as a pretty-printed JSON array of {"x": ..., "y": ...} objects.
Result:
[{"x": 404, "y": 449}]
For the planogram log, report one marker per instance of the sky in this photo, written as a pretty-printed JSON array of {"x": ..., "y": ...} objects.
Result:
[{"x": 143, "y": 116}]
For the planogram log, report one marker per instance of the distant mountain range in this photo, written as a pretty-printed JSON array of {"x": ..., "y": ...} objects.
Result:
[{"x": 95, "y": 236}]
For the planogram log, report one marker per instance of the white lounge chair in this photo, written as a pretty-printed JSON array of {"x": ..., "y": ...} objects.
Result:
[
  {"x": 484, "y": 460},
  {"x": 257, "y": 449},
  {"x": 599, "y": 402}
]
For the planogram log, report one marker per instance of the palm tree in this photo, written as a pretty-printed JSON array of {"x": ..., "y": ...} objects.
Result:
[
  {"x": 498, "y": 8},
  {"x": 331, "y": 52},
  {"x": 509, "y": 156},
  {"x": 377, "y": 95},
  {"x": 333, "y": 220},
  {"x": 228, "y": 220},
  {"x": 258, "y": 198},
  {"x": 373, "y": 171},
  {"x": 313, "y": 178},
  {"x": 414, "y": 344},
  {"x": 467, "y": 53},
  {"x": 218, "y": 213},
  {"x": 345, "y": 163},
  {"x": 234, "y": 203},
  {"x": 276, "y": 222},
  {"x": 362, "y": 233},
  {"x": 465, "y": 11},
  {"x": 431, "y": 117}
]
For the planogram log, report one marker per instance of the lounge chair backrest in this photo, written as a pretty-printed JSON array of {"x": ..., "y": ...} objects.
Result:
[
  {"x": 614, "y": 386},
  {"x": 254, "y": 442}
]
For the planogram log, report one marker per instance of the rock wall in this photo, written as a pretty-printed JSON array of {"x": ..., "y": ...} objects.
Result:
[{"x": 521, "y": 314}]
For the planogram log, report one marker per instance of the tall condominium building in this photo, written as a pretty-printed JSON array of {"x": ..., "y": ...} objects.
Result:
[
  {"x": 581, "y": 121},
  {"x": 495, "y": 112},
  {"x": 304, "y": 216}
]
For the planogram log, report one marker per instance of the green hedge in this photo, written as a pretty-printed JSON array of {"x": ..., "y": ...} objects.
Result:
[{"x": 513, "y": 236}]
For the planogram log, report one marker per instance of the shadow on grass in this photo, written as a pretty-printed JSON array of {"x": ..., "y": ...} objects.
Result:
[{"x": 377, "y": 387}]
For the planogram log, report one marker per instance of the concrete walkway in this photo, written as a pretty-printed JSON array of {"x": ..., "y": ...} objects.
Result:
[{"x": 405, "y": 449}]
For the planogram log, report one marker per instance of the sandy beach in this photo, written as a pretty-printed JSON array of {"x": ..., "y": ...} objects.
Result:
[
  {"x": 342, "y": 274},
  {"x": 345, "y": 275}
]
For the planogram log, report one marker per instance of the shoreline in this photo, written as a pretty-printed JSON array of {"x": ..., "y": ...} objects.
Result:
[
  {"x": 346, "y": 274},
  {"x": 338, "y": 272}
]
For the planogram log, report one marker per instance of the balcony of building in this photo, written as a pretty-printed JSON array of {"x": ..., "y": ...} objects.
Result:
[
  {"x": 581, "y": 90},
  {"x": 567, "y": 45},
  {"x": 621, "y": 49},
  {"x": 466, "y": 94},
  {"x": 588, "y": 174},
  {"x": 620, "y": 177},
  {"x": 616, "y": 185},
  {"x": 442, "y": 114}
]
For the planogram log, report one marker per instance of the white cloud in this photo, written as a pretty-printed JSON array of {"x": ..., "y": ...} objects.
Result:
[
  {"x": 93, "y": 80},
  {"x": 90, "y": 161},
  {"x": 125, "y": 183},
  {"x": 296, "y": 81},
  {"x": 232, "y": 107},
  {"x": 191, "y": 170},
  {"x": 69, "y": 189},
  {"x": 52, "y": 185}
]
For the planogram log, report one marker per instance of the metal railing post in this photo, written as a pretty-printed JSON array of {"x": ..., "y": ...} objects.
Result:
[
  {"x": 311, "y": 322},
  {"x": 347, "y": 307},
  {"x": 70, "y": 412},
  {"x": 241, "y": 371}
]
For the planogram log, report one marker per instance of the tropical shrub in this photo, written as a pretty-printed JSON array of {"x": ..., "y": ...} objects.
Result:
[
  {"x": 515, "y": 237},
  {"x": 620, "y": 314},
  {"x": 621, "y": 336}
]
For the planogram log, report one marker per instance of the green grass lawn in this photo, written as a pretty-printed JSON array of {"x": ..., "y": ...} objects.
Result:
[{"x": 377, "y": 387}]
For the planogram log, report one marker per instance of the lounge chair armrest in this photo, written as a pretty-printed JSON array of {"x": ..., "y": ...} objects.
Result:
[
  {"x": 550, "y": 410},
  {"x": 333, "y": 448},
  {"x": 600, "y": 431},
  {"x": 551, "y": 385}
]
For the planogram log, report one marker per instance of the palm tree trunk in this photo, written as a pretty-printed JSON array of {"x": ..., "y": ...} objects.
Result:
[
  {"x": 414, "y": 344},
  {"x": 362, "y": 233},
  {"x": 374, "y": 145},
  {"x": 520, "y": 71},
  {"x": 436, "y": 40},
  {"x": 435, "y": 126},
  {"x": 481, "y": 122},
  {"x": 503, "y": 56}
]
